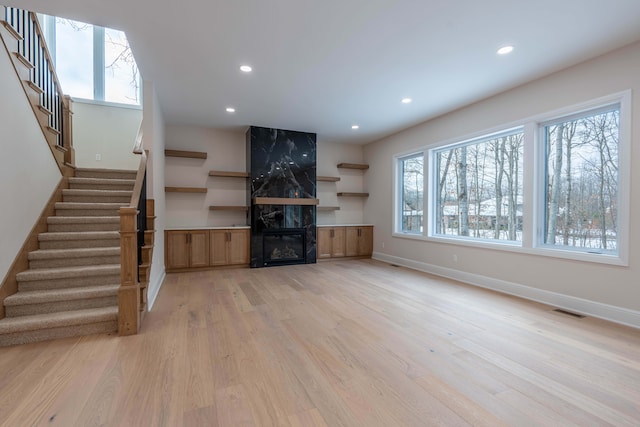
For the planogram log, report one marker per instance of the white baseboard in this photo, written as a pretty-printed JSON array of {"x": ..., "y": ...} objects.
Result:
[
  {"x": 154, "y": 289},
  {"x": 612, "y": 313}
]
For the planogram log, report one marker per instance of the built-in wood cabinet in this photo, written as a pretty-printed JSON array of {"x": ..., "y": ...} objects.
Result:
[
  {"x": 331, "y": 242},
  {"x": 359, "y": 241},
  {"x": 344, "y": 241},
  {"x": 229, "y": 247},
  {"x": 186, "y": 249},
  {"x": 205, "y": 248}
]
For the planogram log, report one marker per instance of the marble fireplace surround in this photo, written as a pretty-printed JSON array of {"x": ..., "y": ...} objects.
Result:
[{"x": 281, "y": 193}]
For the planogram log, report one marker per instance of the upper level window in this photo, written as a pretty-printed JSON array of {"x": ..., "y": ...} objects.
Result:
[
  {"x": 411, "y": 182},
  {"x": 581, "y": 175},
  {"x": 478, "y": 188},
  {"x": 93, "y": 62}
]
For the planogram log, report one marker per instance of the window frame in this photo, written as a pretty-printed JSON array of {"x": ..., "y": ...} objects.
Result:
[
  {"x": 399, "y": 191},
  {"x": 98, "y": 60},
  {"x": 533, "y": 182}
]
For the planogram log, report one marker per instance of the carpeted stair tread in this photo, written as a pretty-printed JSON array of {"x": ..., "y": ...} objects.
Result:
[
  {"x": 93, "y": 206},
  {"x": 44, "y": 296},
  {"x": 83, "y": 192},
  {"x": 79, "y": 235},
  {"x": 73, "y": 253},
  {"x": 83, "y": 220},
  {"x": 100, "y": 181},
  {"x": 67, "y": 272},
  {"x": 56, "y": 320}
]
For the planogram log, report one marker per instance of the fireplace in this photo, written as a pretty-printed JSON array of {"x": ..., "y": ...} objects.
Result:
[
  {"x": 284, "y": 246},
  {"x": 281, "y": 193}
]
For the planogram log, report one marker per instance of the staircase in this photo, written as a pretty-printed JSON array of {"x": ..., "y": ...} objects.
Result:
[{"x": 71, "y": 286}]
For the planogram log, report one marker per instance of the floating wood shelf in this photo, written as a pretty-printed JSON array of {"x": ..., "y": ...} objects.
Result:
[
  {"x": 328, "y": 208},
  {"x": 229, "y": 174},
  {"x": 185, "y": 190},
  {"x": 353, "y": 166},
  {"x": 284, "y": 201},
  {"x": 328, "y": 178},
  {"x": 228, "y": 208},
  {"x": 353, "y": 194},
  {"x": 188, "y": 154}
]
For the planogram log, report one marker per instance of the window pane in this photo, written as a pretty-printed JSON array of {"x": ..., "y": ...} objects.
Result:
[
  {"x": 412, "y": 193},
  {"x": 479, "y": 189},
  {"x": 582, "y": 181},
  {"x": 74, "y": 57},
  {"x": 121, "y": 71}
]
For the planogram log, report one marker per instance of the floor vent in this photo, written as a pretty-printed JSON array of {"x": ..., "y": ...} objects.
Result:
[
  {"x": 395, "y": 265},
  {"x": 569, "y": 313}
]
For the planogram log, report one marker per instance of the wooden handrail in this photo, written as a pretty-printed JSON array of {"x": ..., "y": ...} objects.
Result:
[
  {"x": 32, "y": 51},
  {"x": 137, "y": 145},
  {"x": 137, "y": 187},
  {"x": 131, "y": 242}
]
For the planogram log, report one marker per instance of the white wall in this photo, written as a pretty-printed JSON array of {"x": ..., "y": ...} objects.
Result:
[
  {"x": 351, "y": 180},
  {"x": 28, "y": 171},
  {"x": 105, "y": 130},
  {"x": 227, "y": 151},
  {"x": 154, "y": 137},
  {"x": 602, "y": 290}
]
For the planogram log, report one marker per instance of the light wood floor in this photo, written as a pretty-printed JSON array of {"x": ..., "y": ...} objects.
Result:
[{"x": 350, "y": 343}]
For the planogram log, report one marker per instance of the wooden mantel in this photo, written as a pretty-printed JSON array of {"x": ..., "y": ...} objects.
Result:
[{"x": 285, "y": 201}]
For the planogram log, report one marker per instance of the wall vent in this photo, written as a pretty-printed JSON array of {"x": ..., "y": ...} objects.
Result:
[{"x": 569, "y": 313}]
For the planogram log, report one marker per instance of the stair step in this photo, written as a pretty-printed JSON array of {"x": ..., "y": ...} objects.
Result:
[
  {"x": 83, "y": 223},
  {"x": 80, "y": 239},
  {"x": 68, "y": 277},
  {"x": 88, "y": 209},
  {"x": 100, "y": 184},
  {"x": 53, "y": 301},
  {"x": 27, "y": 329},
  {"x": 106, "y": 173},
  {"x": 52, "y": 258},
  {"x": 96, "y": 196}
]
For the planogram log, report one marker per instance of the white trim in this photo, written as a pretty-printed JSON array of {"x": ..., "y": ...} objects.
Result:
[
  {"x": 608, "y": 312},
  {"x": 155, "y": 289}
]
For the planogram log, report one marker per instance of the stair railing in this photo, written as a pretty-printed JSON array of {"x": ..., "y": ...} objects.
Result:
[
  {"x": 132, "y": 239},
  {"x": 32, "y": 51}
]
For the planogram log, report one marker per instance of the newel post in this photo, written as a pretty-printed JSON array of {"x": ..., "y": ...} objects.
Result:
[{"x": 129, "y": 292}]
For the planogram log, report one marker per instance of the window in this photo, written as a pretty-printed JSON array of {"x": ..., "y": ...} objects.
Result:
[
  {"x": 479, "y": 188},
  {"x": 581, "y": 176},
  {"x": 411, "y": 171},
  {"x": 554, "y": 185},
  {"x": 93, "y": 62}
]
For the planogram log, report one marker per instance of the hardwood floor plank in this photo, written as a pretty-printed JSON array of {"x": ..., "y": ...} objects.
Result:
[{"x": 342, "y": 343}]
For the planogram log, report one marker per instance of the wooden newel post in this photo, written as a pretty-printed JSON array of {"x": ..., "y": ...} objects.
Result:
[{"x": 129, "y": 292}]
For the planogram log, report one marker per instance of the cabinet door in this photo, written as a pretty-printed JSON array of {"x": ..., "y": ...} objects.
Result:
[
  {"x": 177, "y": 249},
  {"x": 352, "y": 241},
  {"x": 338, "y": 242},
  {"x": 238, "y": 247},
  {"x": 324, "y": 242},
  {"x": 365, "y": 241},
  {"x": 199, "y": 248},
  {"x": 218, "y": 247}
]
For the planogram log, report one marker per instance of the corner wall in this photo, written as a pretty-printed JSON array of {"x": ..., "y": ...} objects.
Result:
[
  {"x": 153, "y": 129},
  {"x": 105, "y": 130},
  {"x": 28, "y": 172},
  {"x": 603, "y": 290}
]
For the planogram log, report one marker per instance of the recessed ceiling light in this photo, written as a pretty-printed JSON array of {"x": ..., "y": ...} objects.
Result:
[
  {"x": 505, "y": 50},
  {"x": 245, "y": 68},
  {"x": 230, "y": 110},
  {"x": 406, "y": 100},
  {"x": 355, "y": 127}
]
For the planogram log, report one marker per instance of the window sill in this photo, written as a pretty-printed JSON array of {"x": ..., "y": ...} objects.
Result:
[
  {"x": 516, "y": 247},
  {"x": 106, "y": 103}
]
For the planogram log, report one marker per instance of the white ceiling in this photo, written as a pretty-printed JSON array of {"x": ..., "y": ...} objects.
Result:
[{"x": 321, "y": 66}]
